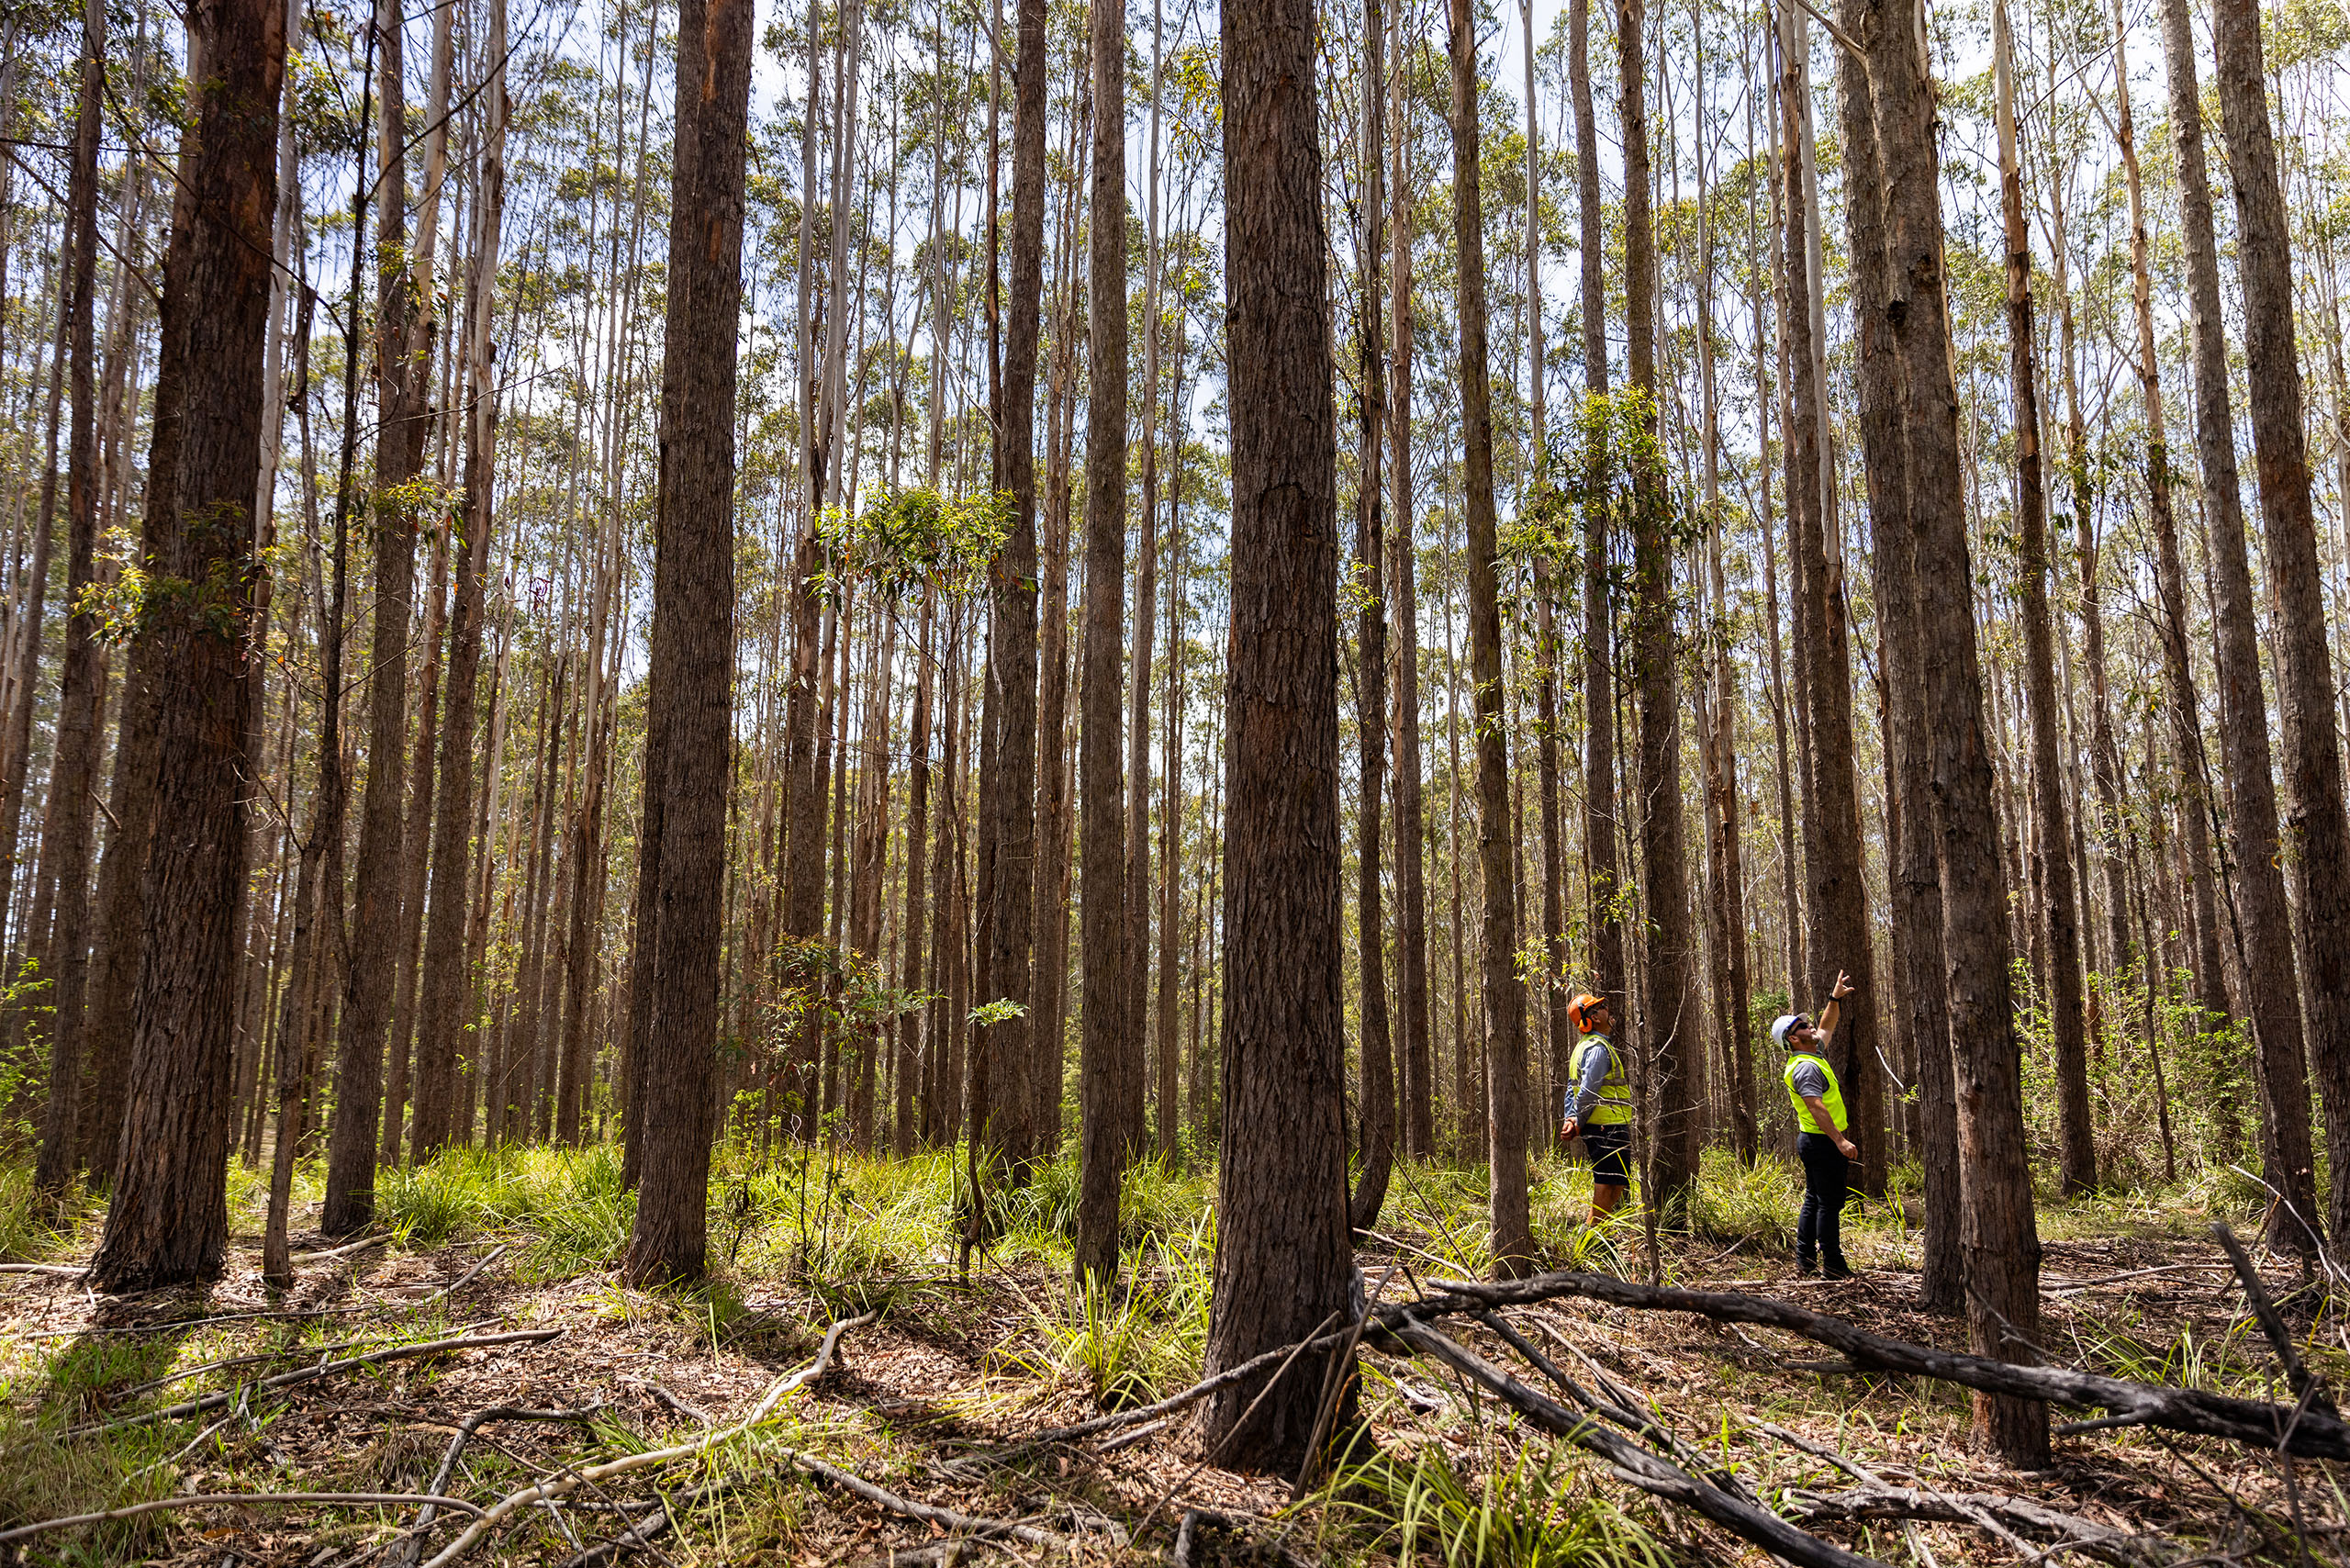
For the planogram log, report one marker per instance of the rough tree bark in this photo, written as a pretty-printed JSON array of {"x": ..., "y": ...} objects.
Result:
[
  {"x": 1108, "y": 1046},
  {"x": 2315, "y": 821},
  {"x": 692, "y": 667},
  {"x": 2182, "y": 706},
  {"x": 1505, "y": 996},
  {"x": 81, "y": 678},
  {"x": 403, "y": 382},
  {"x": 1598, "y": 670},
  {"x": 446, "y": 1060},
  {"x": 168, "y": 1219},
  {"x": 1376, "y": 1099},
  {"x": 2052, "y": 839},
  {"x": 1669, "y": 1008},
  {"x": 1999, "y": 1235},
  {"x": 2262, "y": 928},
  {"x": 1411, "y": 817},
  {"x": 1915, "y": 879},
  {"x": 1283, "y": 1263},
  {"x": 1002, "y": 1096}
]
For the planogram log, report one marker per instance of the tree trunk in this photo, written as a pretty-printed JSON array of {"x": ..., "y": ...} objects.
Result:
[
  {"x": 1669, "y": 1016},
  {"x": 1002, "y": 1097},
  {"x": 1504, "y": 998},
  {"x": 1601, "y": 892},
  {"x": 1915, "y": 881},
  {"x": 82, "y": 683},
  {"x": 2052, "y": 864},
  {"x": 168, "y": 1219},
  {"x": 403, "y": 377},
  {"x": 1283, "y": 1263},
  {"x": 1411, "y": 818},
  {"x": 2263, "y": 924},
  {"x": 1107, "y": 1050},
  {"x": 1377, "y": 1098},
  {"x": 446, "y": 1058},
  {"x": 2315, "y": 820},
  {"x": 2182, "y": 705},
  {"x": 1999, "y": 1235},
  {"x": 692, "y": 666}
]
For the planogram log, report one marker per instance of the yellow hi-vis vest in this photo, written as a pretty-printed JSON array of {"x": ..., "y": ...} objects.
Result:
[
  {"x": 1614, "y": 1105},
  {"x": 1833, "y": 1099}
]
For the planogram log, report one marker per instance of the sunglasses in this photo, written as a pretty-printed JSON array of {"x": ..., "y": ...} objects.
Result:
[{"x": 1802, "y": 1021}]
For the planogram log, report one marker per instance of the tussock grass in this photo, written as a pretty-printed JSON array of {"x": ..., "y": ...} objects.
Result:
[
  {"x": 28, "y": 1233},
  {"x": 1531, "y": 1508},
  {"x": 565, "y": 1207}
]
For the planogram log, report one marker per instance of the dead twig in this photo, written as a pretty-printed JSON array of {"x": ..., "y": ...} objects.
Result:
[
  {"x": 1632, "y": 1463},
  {"x": 238, "y": 1499},
  {"x": 1888, "y": 1501},
  {"x": 2305, "y": 1387},
  {"x": 564, "y": 1484},
  {"x": 325, "y": 1369},
  {"x": 412, "y": 1544},
  {"x": 675, "y": 1406},
  {"x": 182, "y": 1377}
]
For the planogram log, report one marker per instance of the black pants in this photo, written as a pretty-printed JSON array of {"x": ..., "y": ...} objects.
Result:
[{"x": 1819, "y": 1229}]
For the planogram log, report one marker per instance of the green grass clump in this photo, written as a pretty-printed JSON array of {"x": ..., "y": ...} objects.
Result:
[
  {"x": 565, "y": 1206},
  {"x": 1757, "y": 1203},
  {"x": 1533, "y": 1510},
  {"x": 26, "y": 1232}
]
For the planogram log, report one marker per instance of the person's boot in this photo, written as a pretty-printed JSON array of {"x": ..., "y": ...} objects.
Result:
[
  {"x": 1837, "y": 1269},
  {"x": 1807, "y": 1265}
]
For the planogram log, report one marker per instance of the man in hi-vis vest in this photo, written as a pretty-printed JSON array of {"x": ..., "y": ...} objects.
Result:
[
  {"x": 1599, "y": 1105},
  {"x": 1820, "y": 1143}
]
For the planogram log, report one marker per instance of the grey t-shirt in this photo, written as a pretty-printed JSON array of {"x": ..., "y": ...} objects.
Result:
[{"x": 1808, "y": 1078}]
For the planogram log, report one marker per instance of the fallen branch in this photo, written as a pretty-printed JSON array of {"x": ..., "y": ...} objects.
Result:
[
  {"x": 1631, "y": 1462},
  {"x": 53, "y": 1271},
  {"x": 184, "y": 1375},
  {"x": 2307, "y": 1389},
  {"x": 572, "y": 1480},
  {"x": 397, "y": 1352},
  {"x": 1621, "y": 1408},
  {"x": 2255, "y": 1423},
  {"x": 238, "y": 1499},
  {"x": 412, "y": 1544},
  {"x": 285, "y": 1315},
  {"x": 1886, "y": 1502},
  {"x": 349, "y": 1249},
  {"x": 1277, "y": 1355},
  {"x": 945, "y": 1519},
  {"x": 671, "y": 1403}
]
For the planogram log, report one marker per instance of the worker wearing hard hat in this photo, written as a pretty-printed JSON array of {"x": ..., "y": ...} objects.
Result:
[
  {"x": 1821, "y": 1144},
  {"x": 1599, "y": 1105}
]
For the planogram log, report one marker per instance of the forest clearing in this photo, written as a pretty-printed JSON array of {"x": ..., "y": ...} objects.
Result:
[{"x": 1281, "y": 782}]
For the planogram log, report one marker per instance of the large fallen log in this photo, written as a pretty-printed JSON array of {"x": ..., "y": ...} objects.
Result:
[{"x": 2306, "y": 1434}]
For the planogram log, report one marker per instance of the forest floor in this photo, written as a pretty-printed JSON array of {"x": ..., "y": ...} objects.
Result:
[{"x": 931, "y": 1400}]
